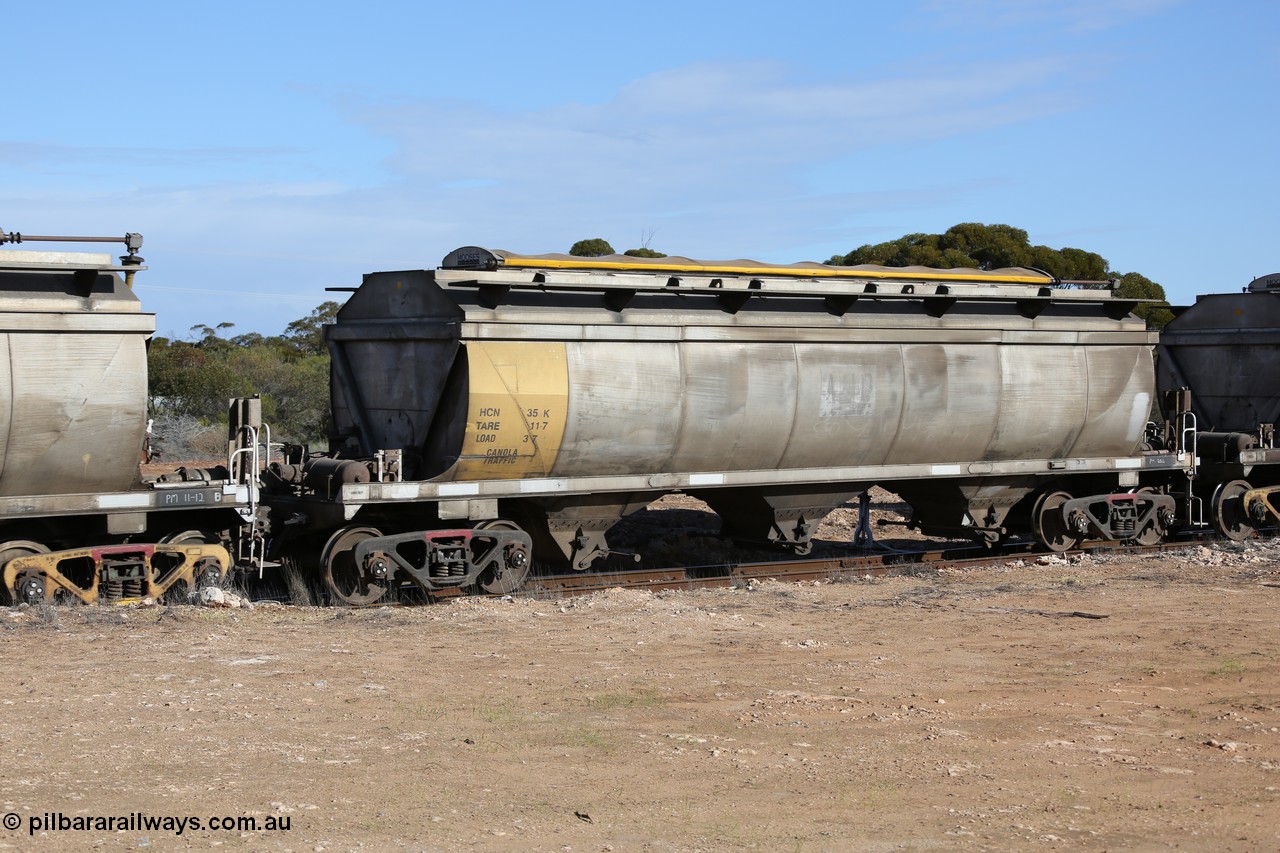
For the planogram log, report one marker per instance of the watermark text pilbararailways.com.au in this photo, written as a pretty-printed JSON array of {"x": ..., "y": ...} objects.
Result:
[{"x": 58, "y": 822}]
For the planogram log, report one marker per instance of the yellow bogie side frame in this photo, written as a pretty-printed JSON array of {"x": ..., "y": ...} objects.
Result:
[
  {"x": 1262, "y": 505},
  {"x": 118, "y": 574}
]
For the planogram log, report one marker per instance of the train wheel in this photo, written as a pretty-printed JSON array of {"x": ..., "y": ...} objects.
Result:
[
  {"x": 190, "y": 537},
  {"x": 509, "y": 568},
  {"x": 345, "y": 581},
  {"x": 1229, "y": 516},
  {"x": 1153, "y": 535},
  {"x": 13, "y": 549},
  {"x": 180, "y": 592},
  {"x": 1155, "y": 531},
  {"x": 30, "y": 588},
  {"x": 1049, "y": 526}
]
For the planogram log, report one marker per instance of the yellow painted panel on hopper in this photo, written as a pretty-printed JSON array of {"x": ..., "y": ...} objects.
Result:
[{"x": 516, "y": 409}]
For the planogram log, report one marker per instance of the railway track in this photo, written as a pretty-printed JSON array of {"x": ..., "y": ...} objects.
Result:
[
  {"x": 955, "y": 557},
  {"x": 797, "y": 571}
]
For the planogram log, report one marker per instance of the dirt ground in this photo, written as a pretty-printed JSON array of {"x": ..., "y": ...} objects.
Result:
[{"x": 981, "y": 710}]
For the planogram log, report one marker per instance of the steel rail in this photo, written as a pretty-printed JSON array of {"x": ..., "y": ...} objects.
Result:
[{"x": 797, "y": 571}]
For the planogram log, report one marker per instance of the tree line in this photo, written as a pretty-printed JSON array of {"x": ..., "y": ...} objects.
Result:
[{"x": 190, "y": 382}]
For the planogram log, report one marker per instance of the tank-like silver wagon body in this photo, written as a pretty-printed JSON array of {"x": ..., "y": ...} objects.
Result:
[
  {"x": 73, "y": 374},
  {"x": 774, "y": 393}
]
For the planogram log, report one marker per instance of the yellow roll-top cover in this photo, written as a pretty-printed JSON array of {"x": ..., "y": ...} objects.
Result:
[{"x": 475, "y": 257}]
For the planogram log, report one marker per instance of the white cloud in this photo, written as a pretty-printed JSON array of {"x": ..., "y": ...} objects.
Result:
[
  {"x": 703, "y": 119},
  {"x": 716, "y": 146}
]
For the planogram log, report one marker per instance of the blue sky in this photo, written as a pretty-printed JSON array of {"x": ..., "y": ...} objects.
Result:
[{"x": 269, "y": 150}]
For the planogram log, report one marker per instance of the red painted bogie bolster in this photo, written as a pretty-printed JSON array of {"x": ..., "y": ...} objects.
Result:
[
  {"x": 113, "y": 550},
  {"x": 465, "y": 534}
]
